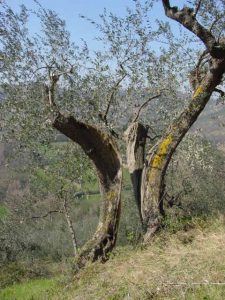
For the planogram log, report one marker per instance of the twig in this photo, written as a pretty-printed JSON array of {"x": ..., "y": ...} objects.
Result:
[
  {"x": 222, "y": 93},
  {"x": 197, "y": 8},
  {"x": 47, "y": 214},
  {"x": 153, "y": 138},
  {"x": 111, "y": 98},
  {"x": 103, "y": 117},
  {"x": 202, "y": 56},
  {"x": 214, "y": 23},
  {"x": 195, "y": 74},
  {"x": 143, "y": 105}
]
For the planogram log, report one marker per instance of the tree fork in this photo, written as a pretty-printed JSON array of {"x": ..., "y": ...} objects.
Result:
[{"x": 102, "y": 150}]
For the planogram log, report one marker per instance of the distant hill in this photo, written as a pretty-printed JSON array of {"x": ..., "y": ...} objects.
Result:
[{"x": 211, "y": 123}]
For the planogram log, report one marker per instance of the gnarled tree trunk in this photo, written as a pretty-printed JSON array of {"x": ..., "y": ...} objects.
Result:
[
  {"x": 152, "y": 190},
  {"x": 102, "y": 150},
  {"x": 135, "y": 137}
]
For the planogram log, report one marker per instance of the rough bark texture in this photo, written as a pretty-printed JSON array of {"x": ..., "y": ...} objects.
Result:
[
  {"x": 187, "y": 18},
  {"x": 135, "y": 137},
  {"x": 102, "y": 150},
  {"x": 160, "y": 155}
]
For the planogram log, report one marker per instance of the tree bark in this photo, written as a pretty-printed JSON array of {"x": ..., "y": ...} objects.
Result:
[
  {"x": 187, "y": 18},
  {"x": 102, "y": 150},
  {"x": 152, "y": 190},
  {"x": 135, "y": 137}
]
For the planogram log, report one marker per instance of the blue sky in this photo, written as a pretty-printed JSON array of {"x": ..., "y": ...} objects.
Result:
[{"x": 69, "y": 10}]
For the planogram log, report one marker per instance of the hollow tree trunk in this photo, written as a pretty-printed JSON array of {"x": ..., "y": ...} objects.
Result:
[
  {"x": 152, "y": 190},
  {"x": 135, "y": 137},
  {"x": 102, "y": 150}
]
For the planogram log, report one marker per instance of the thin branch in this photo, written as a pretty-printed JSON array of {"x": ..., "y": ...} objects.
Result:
[
  {"x": 174, "y": 45},
  {"x": 54, "y": 76},
  {"x": 142, "y": 106},
  {"x": 221, "y": 92},
  {"x": 111, "y": 98},
  {"x": 172, "y": 200},
  {"x": 103, "y": 117},
  {"x": 47, "y": 214},
  {"x": 214, "y": 23},
  {"x": 201, "y": 58},
  {"x": 154, "y": 137},
  {"x": 220, "y": 37},
  {"x": 40, "y": 68},
  {"x": 70, "y": 225},
  {"x": 197, "y": 7},
  {"x": 196, "y": 75}
]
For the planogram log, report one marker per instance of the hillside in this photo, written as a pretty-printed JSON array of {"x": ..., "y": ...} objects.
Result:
[
  {"x": 185, "y": 261},
  {"x": 181, "y": 266},
  {"x": 211, "y": 122},
  {"x": 187, "y": 264}
]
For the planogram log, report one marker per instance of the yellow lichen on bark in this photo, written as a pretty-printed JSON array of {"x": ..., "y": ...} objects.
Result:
[
  {"x": 158, "y": 158},
  {"x": 198, "y": 91},
  {"x": 162, "y": 151},
  {"x": 111, "y": 195}
]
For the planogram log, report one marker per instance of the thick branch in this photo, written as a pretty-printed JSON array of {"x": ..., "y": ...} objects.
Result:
[
  {"x": 135, "y": 137},
  {"x": 186, "y": 17},
  {"x": 98, "y": 146},
  {"x": 102, "y": 150},
  {"x": 160, "y": 155}
]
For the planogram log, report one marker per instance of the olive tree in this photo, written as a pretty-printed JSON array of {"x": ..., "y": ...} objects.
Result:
[
  {"x": 205, "y": 78},
  {"x": 91, "y": 98}
]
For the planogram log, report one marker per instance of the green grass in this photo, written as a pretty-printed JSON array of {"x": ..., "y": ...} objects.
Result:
[
  {"x": 31, "y": 290},
  {"x": 3, "y": 212},
  {"x": 90, "y": 200},
  {"x": 204, "y": 292},
  {"x": 186, "y": 263}
]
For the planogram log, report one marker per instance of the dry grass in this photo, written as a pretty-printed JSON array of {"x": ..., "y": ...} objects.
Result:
[{"x": 185, "y": 265}]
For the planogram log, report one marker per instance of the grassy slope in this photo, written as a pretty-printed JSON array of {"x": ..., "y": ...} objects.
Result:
[
  {"x": 182, "y": 266},
  {"x": 186, "y": 265},
  {"x": 34, "y": 289}
]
